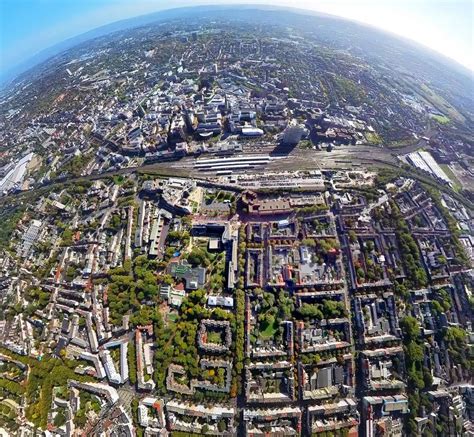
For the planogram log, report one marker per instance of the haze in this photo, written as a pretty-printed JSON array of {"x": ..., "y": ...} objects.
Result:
[{"x": 28, "y": 26}]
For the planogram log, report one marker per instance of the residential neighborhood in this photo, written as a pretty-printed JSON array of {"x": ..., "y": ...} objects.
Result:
[
  {"x": 341, "y": 316},
  {"x": 237, "y": 222}
]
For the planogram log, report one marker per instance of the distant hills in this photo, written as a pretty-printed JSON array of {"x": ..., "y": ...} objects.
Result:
[{"x": 17, "y": 71}]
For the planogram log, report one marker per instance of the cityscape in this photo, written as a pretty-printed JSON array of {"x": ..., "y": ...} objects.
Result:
[{"x": 238, "y": 222}]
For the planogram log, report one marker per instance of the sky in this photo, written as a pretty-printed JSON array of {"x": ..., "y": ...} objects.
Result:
[{"x": 28, "y": 26}]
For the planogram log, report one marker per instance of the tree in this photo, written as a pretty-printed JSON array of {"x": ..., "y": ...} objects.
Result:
[
  {"x": 285, "y": 305},
  {"x": 115, "y": 222},
  {"x": 410, "y": 328},
  {"x": 436, "y": 307},
  {"x": 455, "y": 334},
  {"x": 198, "y": 257},
  {"x": 131, "y": 359},
  {"x": 412, "y": 427},
  {"x": 267, "y": 320},
  {"x": 66, "y": 237},
  {"x": 333, "y": 309},
  {"x": 414, "y": 351},
  {"x": 70, "y": 273},
  {"x": 415, "y": 377},
  {"x": 308, "y": 242},
  {"x": 221, "y": 425},
  {"x": 309, "y": 311},
  {"x": 80, "y": 419},
  {"x": 352, "y": 236},
  {"x": 268, "y": 300},
  {"x": 427, "y": 378}
]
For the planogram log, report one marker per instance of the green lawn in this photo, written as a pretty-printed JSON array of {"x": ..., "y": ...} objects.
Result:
[
  {"x": 269, "y": 331},
  {"x": 400, "y": 143},
  {"x": 118, "y": 179},
  {"x": 373, "y": 138},
  {"x": 172, "y": 317},
  {"x": 214, "y": 337},
  {"x": 7, "y": 411},
  {"x": 441, "y": 119},
  {"x": 456, "y": 184}
]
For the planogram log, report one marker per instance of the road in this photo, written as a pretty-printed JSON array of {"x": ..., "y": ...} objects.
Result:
[
  {"x": 341, "y": 158},
  {"x": 430, "y": 131}
]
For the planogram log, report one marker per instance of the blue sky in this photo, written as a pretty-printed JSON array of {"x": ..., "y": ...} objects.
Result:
[{"x": 28, "y": 26}]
